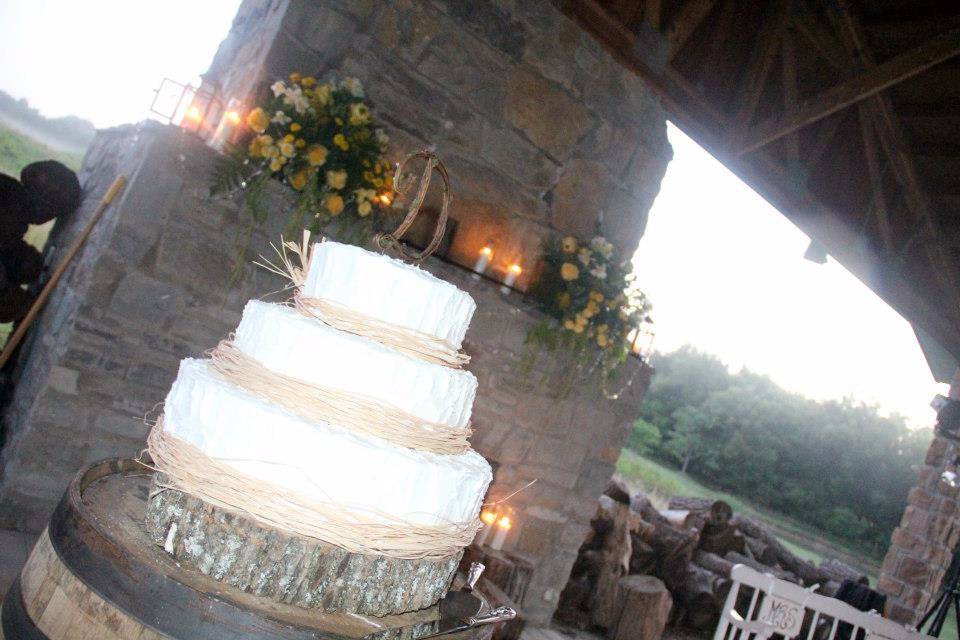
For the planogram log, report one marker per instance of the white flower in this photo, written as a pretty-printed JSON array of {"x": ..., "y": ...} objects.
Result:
[
  {"x": 584, "y": 256},
  {"x": 280, "y": 118},
  {"x": 354, "y": 86},
  {"x": 601, "y": 246},
  {"x": 599, "y": 271},
  {"x": 278, "y": 88},
  {"x": 295, "y": 98}
]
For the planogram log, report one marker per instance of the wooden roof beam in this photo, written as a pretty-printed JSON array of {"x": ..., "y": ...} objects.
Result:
[
  {"x": 867, "y": 84},
  {"x": 688, "y": 18},
  {"x": 761, "y": 62},
  {"x": 872, "y": 155}
]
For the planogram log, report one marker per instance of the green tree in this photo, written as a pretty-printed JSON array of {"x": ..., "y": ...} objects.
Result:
[{"x": 644, "y": 438}]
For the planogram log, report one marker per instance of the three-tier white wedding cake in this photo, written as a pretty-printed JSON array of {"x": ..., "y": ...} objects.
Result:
[{"x": 356, "y": 476}]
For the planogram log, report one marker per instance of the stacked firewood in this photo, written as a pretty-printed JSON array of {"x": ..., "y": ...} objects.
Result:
[
  {"x": 46, "y": 190},
  {"x": 690, "y": 548}
]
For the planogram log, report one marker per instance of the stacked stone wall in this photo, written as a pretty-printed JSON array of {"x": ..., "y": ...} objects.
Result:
[{"x": 151, "y": 287}]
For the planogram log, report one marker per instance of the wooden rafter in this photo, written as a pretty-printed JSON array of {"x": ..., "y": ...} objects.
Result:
[
  {"x": 872, "y": 155},
  {"x": 688, "y": 18},
  {"x": 869, "y": 83},
  {"x": 791, "y": 91},
  {"x": 761, "y": 62},
  {"x": 892, "y": 138},
  {"x": 651, "y": 13}
]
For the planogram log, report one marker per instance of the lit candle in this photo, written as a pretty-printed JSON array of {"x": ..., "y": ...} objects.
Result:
[
  {"x": 488, "y": 518},
  {"x": 512, "y": 273},
  {"x": 485, "y": 254},
  {"x": 191, "y": 118},
  {"x": 503, "y": 526},
  {"x": 224, "y": 133}
]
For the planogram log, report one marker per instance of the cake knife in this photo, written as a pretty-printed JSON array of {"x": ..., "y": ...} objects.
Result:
[
  {"x": 462, "y": 604},
  {"x": 448, "y": 626}
]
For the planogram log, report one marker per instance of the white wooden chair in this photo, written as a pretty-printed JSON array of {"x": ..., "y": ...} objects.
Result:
[{"x": 760, "y": 607}]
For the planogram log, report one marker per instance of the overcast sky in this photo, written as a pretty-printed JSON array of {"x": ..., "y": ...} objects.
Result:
[{"x": 724, "y": 270}]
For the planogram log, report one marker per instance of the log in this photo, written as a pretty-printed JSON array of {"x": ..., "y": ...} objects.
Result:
[
  {"x": 94, "y": 574},
  {"x": 683, "y": 519},
  {"x": 703, "y": 593},
  {"x": 713, "y": 563},
  {"x": 690, "y": 504},
  {"x": 779, "y": 554},
  {"x": 643, "y": 608},
  {"x": 54, "y": 187},
  {"x": 235, "y": 550},
  {"x": 761, "y": 551},
  {"x": 614, "y": 564},
  {"x": 618, "y": 490},
  {"x": 738, "y": 558},
  {"x": 839, "y": 571}
]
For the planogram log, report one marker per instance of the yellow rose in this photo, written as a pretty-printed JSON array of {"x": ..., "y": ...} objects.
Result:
[
  {"x": 309, "y": 81},
  {"x": 569, "y": 271},
  {"x": 258, "y": 120},
  {"x": 569, "y": 244},
  {"x": 340, "y": 140},
  {"x": 578, "y": 328},
  {"x": 569, "y": 324},
  {"x": 289, "y": 138},
  {"x": 317, "y": 156},
  {"x": 322, "y": 95},
  {"x": 359, "y": 114},
  {"x": 364, "y": 208},
  {"x": 333, "y": 204},
  {"x": 300, "y": 143},
  {"x": 622, "y": 315},
  {"x": 277, "y": 163},
  {"x": 368, "y": 176},
  {"x": 563, "y": 300},
  {"x": 259, "y": 145},
  {"x": 299, "y": 180},
  {"x": 603, "y": 328},
  {"x": 295, "y": 77},
  {"x": 602, "y": 340},
  {"x": 592, "y": 308},
  {"x": 287, "y": 149},
  {"x": 596, "y": 295},
  {"x": 295, "y": 127},
  {"x": 336, "y": 179}
]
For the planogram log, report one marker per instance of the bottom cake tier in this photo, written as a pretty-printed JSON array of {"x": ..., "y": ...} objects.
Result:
[{"x": 266, "y": 562}]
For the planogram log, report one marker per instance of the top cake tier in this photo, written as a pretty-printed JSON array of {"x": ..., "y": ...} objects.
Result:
[{"x": 389, "y": 290}]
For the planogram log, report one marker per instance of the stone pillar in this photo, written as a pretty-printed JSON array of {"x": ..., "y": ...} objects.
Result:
[{"x": 922, "y": 547}]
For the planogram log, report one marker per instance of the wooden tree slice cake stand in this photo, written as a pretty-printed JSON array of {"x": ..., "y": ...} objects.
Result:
[
  {"x": 285, "y": 567},
  {"x": 96, "y": 573}
]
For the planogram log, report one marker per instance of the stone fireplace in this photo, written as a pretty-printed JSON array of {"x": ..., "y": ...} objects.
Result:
[{"x": 542, "y": 132}]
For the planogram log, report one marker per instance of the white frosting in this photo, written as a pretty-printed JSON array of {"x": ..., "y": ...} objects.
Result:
[
  {"x": 287, "y": 342},
  {"x": 389, "y": 290},
  {"x": 319, "y": 460}
]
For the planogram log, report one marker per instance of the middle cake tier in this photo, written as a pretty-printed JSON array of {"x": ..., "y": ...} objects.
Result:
[
  {"x": 323, "y": 462},
  {"x": 287, "y": 342}
]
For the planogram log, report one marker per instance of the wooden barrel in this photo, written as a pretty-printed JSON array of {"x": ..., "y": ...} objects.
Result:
[{"x": 95, "y": 574}]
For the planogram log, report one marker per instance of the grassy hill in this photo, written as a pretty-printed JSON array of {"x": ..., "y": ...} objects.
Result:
[{"x": 18, "y": 150}]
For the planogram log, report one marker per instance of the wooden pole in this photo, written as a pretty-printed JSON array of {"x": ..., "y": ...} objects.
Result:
[{"x": 48, "y": 288}]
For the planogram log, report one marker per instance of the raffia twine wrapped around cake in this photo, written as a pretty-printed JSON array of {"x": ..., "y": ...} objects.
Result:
[
  {"x": 359, "y": 413},
  {"x": 364, "y": 531}
]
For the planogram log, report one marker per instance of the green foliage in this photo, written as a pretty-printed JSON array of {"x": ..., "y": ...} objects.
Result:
[
  {"x": 644, "y": 437},
  {"x": 73, "y": 132},
  {"x": 837, "y": 466},
  {"x": 590, "y": 295}
]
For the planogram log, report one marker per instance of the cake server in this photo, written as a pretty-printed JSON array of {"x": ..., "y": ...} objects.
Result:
[
  {"x": 448, "y": 626},
  {"x": 462, "y": 604}
]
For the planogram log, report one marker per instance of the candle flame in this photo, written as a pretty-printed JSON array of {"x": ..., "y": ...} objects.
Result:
[
  {"x": 515, "y": 268},
  {"x": 194, "y": 113},
  {"x": 233, "y": 117},
  {"x": 504, "y": 522},
  {"x": 488, "y": 517},
  {"x": 487, "y": 251},
  {"x": 385, "y": 198}
]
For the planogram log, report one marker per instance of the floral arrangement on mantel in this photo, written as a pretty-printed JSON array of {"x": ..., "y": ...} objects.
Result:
[
  {"x": 322, "y": 141},
  {"x": 594, "y": 308}
]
